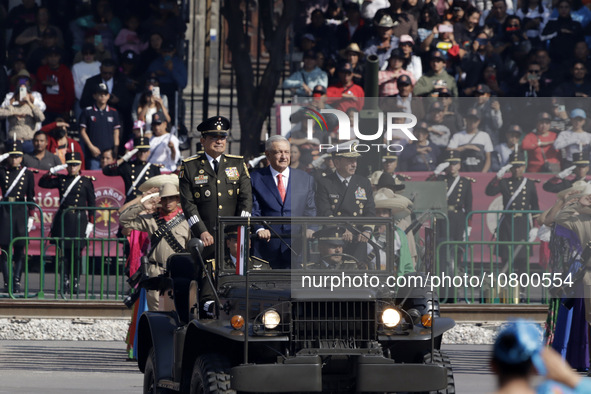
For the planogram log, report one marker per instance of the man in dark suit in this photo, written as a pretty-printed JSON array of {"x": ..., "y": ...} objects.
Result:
[
  {"x": 278, "y": 190},
  {"x": 346, "y": 194},
  {"x": 120, "y": 98}
]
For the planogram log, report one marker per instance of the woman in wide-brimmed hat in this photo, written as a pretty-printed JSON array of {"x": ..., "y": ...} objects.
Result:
[{"x": 355, "y": 56}]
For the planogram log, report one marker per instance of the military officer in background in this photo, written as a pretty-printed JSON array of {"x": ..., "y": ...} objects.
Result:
[
  {"x": 560, "y": 182},
  {"x": 75, "y": 190},
  {"x": 389, "y": 164},
  {"x": 346, "y": 194},
  {"x": 213, "y": 183},
  {"x": 134, "y": 172},
  {"x": 330, "y": 247},
  {"x": 17, "y": 184},
  {"x": 231, "y": 253},
  {"x": 459, "y": 196},
  {"x": 519, "y": 194}
]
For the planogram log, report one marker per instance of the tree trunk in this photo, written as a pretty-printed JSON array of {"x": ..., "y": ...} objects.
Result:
[{"x": 254, "y": 103}]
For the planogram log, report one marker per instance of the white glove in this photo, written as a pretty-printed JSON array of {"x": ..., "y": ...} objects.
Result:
[
  {"x": 316, "y": 163},
  {"x": 467, "y": 232},
  {"x": 4, "y": 156},
  {"x": 255, "y": 162},
  {"x": 30, "y": 223},
  {"x": 441, "y": 167},
  {"x": 129, "y": 154},
  {"x": 503, "y": 170},
  {"x": 89, "y": 228},
  {"x": 564, "y": 173},
  {"x": 533, "y": 234},
  {"x": 56, "y": 169}
]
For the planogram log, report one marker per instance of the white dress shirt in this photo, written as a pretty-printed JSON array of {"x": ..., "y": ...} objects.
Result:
[
  {"x": 284, "y": 180},
  {"x": 210, "y": 160},
  {"x": 344, "y": 179}
]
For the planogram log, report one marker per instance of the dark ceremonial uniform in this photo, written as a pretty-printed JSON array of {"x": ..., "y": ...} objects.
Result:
[
  {"x": 556, "y": 185},
  {"x": 459, "y": 201},
  {"x": 17, "y": 185},
  {"x": 527, "y": 199},
  {"x": 135, "y": 172},
  {"x": 207, "y": 195},
  {"x": 75, "y": 191}
]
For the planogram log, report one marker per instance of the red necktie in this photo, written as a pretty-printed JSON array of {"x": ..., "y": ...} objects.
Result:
[{"x": 281, "y": 187}]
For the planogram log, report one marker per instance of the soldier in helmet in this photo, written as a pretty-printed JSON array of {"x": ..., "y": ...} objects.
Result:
[
  {"x": 17, "y": 184},
  {"x": 560, "y": 182},
  {"x": 75, "y": 190},
  {"x": 136, "y": 171},
  {"x": 519, "y": 194}
]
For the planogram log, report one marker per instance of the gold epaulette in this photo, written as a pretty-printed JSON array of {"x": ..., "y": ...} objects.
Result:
[
  {"x": 259, "y": 259},
  {"x": 470, "y": 179},
  {"x": 158, "y": 165},
  {"x": 191, "y": 158},
  {"x": 234, "y": 156},
  {"x": 90, "y": 177}
]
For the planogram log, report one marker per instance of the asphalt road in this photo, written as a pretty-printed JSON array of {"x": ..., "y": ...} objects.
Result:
[{"x": 52, "y": 367}]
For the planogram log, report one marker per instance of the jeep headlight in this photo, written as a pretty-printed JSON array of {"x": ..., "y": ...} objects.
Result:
[
  {"x": 271, "y": 319},
  {"x": 391, "y": 317}
]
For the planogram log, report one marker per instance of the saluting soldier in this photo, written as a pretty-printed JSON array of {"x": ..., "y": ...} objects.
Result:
[
  {"x": 213, "y": 183},
  {"x": 459, "y": 195},
  {"x": 17, "y": 184},
  {"x": 162, "y": 218},
  {"x": 389, "y": 164},
  {"x": 560, "y": 182},
  {"x": 519, "y": 194},
  {"x": 346, "y": 194},
  {"x": 76, "y": 190},
  {"x": 134, "y": 172}
]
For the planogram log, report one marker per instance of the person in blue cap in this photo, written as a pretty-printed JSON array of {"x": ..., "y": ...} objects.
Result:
[{"x": 518, "y": 354}]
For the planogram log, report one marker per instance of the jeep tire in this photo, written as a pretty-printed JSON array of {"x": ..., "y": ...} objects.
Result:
[
  {"x": 442, "y": 358},
  {"x": 150, "y": 376},
  {"x": 211, "y": 375}
]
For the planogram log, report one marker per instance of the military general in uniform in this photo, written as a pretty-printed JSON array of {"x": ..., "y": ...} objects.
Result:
[
  {"x": 17, "y": 185},
  {"x": 519, "y": 194},
  {"x": 346, "y": 194},
  {"x": 213, "y": 183},
  {"x": 136, "y": 171},
  {"x": 76, "y": 190},
  {"x": 580, "y": 168}
]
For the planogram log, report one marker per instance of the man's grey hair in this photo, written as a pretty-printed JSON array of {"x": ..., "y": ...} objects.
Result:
[{"x": 273, "y": 139}]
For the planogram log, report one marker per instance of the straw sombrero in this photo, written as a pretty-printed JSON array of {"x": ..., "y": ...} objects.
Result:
[
  {"x": 399, "y": 205},
  {"x": 580, "y": 186},
  {"x": 158, "y": 181}
]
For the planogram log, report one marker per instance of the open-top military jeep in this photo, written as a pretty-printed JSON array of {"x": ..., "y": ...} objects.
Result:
[{"x": 287, "y": 330}]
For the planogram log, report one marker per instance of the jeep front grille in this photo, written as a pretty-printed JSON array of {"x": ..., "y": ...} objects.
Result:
[{"x": 315, "y": 321}]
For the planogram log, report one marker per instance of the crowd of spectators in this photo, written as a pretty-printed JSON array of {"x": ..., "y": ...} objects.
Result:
[
  {"x": 92, "y": 70},
  {"x": 459, "y": 67}
]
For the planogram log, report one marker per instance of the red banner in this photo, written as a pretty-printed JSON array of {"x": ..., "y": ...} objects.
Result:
[{"x": 109, "y": 193}]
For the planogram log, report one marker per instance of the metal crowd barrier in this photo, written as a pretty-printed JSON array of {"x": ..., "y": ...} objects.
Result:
[
  {"x": 487, "y": 291},
  {"x": 96, "y": 263}
]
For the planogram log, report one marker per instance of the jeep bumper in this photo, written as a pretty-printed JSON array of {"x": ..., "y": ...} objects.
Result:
[{"x": 374, "y": 373}]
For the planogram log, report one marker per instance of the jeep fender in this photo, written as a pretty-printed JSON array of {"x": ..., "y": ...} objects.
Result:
[{"x": 156, "y": 329}]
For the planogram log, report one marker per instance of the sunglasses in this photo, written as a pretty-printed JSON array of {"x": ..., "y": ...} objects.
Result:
[{"x": 533, "y": 71}]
